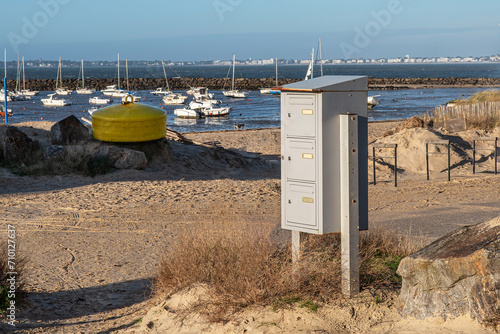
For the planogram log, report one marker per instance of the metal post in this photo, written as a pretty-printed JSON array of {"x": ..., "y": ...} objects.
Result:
[
  {"x": 5, "y": 97},
  {"x": 449, "y": 161},
  {"x": 496, "y": 155},
  {"x": 427, "y": 159},
  {"x": 374, "y": 171},
  {"x": 349, "y": 207},
  {"x": 396, "y": 165},
  {"x": 474, "y": 157}
]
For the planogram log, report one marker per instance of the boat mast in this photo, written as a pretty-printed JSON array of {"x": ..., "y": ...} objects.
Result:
[
  {"x": 312, "y": 64},
  {"x": 276, "y": 71},
  {"x": 59, "y": 74},
  {"x": 24, "y": 77},
  {"x": 118, "y": 66},
  {"x": 126, "y": 71},
  {"x": 234, "y": 60},
  {"x": 320, "y": 57},
  {"x": 165, "y": 74},
  {"x": 83, "y": 77},
  {"x": 18, "y": 74}
]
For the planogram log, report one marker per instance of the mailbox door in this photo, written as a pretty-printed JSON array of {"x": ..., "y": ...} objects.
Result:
[
  {"x": 301, "y": 159},
  {"x": 301, "y": 114},
  {"x": 301, "y": 204}
]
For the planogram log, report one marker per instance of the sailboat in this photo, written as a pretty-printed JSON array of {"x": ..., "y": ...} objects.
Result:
[
  {"x": 17, "y": 94},
  {"x": 170, "y": 97},
  {"x": 310, "y": 70},
  {"x": 135, "y": 98},
  {"x": 234, "y": 92},
  {"x": 274, "y": 90},
  {"x": 60, "y": 90},
  {"x": 84, "y": 90},
  {"x": 24, "y": 91},
  {"x": 115, "y": 90}
]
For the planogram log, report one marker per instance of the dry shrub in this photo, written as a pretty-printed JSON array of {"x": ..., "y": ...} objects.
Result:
[
  {"x": 414, "y": 122},
  {"x": 5, "y": 282},
  {"x": 250, "y": 264}
]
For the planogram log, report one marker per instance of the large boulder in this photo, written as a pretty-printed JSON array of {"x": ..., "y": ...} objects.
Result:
[
  {"x": 16, "y": 148},
  {"x": 123, "y": 158},
  {"x": 69, "y": 131},
  {"x": 456, "y": 275}
]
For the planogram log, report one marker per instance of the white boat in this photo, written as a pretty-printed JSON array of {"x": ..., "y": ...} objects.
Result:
[
  {"x": 275, "y": 90},
  {"x": 9, "y": 112},
  {"x": 59, "y": 89},
  {"x": 99, "y": 100},
  {"x": 135, "y": 98},
  {"x": 207, "y": 109},
  {"x": 17, "y": 95},
  {"x": 310, "y": 69},
  {"x": 200, "y": 93},
  {"x": 160, "y": 91},
  {"x": 114, "y": 91},
  {"x": 2, "y": 96},
  {"x": 54, "y": 102},
  {"x": 188, "y": 113},
  {"x": 24, "y": 91},
  {"x": 174, "y": 99},
  {"x": 83, "y": 90},
  {"x": 91, "y": 110},
  {"x": 372, "y": 102},
  {"x": 234, "y": 92}
]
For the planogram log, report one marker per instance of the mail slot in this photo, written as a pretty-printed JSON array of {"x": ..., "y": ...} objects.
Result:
[{"x": 301, "y": 163}]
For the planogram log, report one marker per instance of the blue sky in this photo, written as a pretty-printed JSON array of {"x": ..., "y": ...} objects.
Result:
[{"x": 215, "y": 29}]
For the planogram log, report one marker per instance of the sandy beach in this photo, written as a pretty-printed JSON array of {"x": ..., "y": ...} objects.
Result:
[{"x": 94, "y": 244}]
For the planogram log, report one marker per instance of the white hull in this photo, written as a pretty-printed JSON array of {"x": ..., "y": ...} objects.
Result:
[
  {"x": 265, "y": 91},
  {"x": 235, "y": 94},
  {"x": 174, "y": 99},
  {"x": 134, "y": 98},
  {"x": 372, "y": 102},
  {"x": 187, "y": 113},
  {"x": 52, "y": 102},
  {"x": 160, "y": 91},
  {"x": 28, "y": 92},
  {"x": 85, "y": 91},
  {"x": 63, "y": 91},
  {"x": 98, "y": 100}
]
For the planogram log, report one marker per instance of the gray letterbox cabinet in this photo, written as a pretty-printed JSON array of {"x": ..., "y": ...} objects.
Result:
[{"x": 310, "y": 146}]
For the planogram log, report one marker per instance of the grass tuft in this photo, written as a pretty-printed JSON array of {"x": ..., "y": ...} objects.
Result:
[{"x": 243, "y": 265}]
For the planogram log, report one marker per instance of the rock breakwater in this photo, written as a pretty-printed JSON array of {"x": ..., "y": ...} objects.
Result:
[{"x": 254, "y": 84}]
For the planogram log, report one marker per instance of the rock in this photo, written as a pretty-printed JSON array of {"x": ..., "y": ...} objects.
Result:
[
  {"x": 17, "y": 148},
  {"x": 123, "y": 158},
  {"x": 456, "y": 275},
  {"x": 69, "y": 131}
]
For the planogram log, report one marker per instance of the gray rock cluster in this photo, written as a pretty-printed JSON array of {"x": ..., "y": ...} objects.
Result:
[{"x": 459, "y": 274}]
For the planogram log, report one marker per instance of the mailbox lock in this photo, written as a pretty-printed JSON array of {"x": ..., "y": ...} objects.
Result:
[
  {"x": 289, "y": 115},
  {"x": 289, "y": 158},
  {"x": 289, "y": 201}
]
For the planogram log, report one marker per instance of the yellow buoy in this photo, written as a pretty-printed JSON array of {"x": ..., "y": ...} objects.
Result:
[{"x": 129, "y": 123}]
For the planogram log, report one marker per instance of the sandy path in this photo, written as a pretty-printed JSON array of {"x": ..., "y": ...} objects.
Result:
[{"x": 94, "y": 243}]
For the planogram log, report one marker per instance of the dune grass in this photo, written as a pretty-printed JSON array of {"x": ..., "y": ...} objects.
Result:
[
  {"x": 250, "y": 264},
  {"x": 480, "y": 111}
]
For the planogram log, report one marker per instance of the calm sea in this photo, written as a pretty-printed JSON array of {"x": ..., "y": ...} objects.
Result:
[{"x": 263, "y": 111}]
